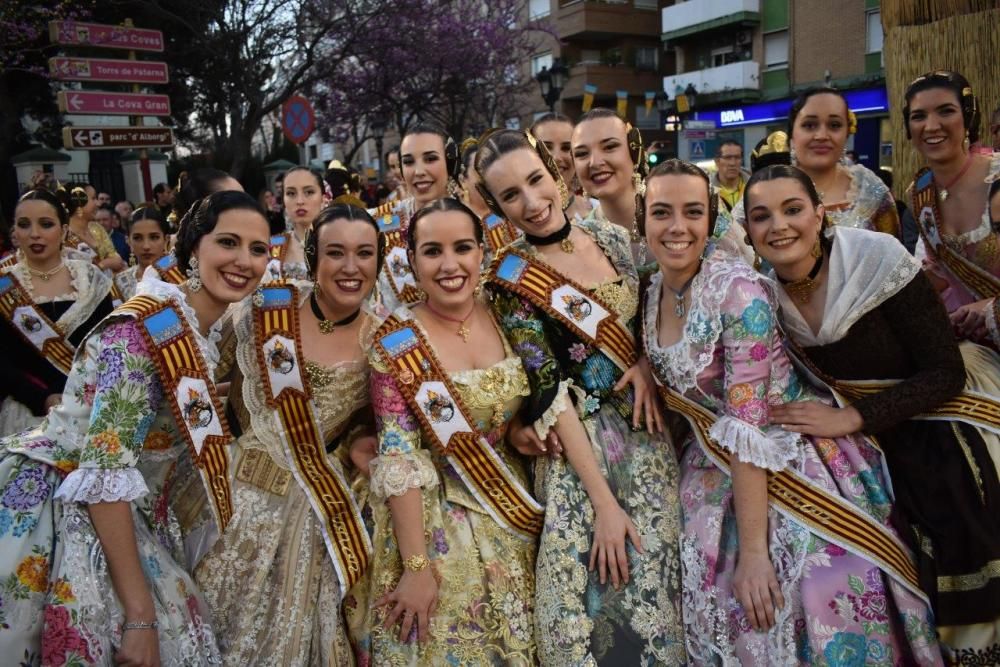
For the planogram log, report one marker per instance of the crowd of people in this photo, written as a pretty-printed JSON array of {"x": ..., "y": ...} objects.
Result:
[{"x": 544, "y": 405}]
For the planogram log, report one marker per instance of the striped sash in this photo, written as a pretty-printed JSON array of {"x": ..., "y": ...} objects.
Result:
[
  {"x": 277, "y": 250},
  {"x": 433, "y": 399},
  {"x": 795, "y": 496},
  {"x": 8, "y": 260},
  {"x": 397, "y": 268},
  {"x": 169, "y": 272},
  {"x": 33, "y": 325},
  {"x": 191, "y": 393},
  {"x": 583, "y": 314},
  {"x": 74, "y": 242},
  {"x": 498, "y": 232},
  {"x": 277, "y": 341},
  {"x": 925, "y": 205}
]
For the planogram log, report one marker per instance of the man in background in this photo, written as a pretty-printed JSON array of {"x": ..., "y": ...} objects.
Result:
[{"x": 730, "y": 178}]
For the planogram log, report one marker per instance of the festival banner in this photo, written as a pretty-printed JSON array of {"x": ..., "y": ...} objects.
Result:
[
  {"x": 622, "y": 103},
  {"x": 589, "y": 90},
  {"x": 650, "y": 98}
]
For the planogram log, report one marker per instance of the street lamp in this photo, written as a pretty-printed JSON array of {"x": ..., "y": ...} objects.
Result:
[
  {"x": 377, "y": 126},
  {"x": 552, "y": 81}
]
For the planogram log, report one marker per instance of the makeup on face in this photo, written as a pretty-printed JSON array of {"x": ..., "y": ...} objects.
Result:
[
  {"x": 783, "y": 224},
  {"x": 676, "y": 221},
  {"x": 424, "y": 167},
  {"x": 347, "y": 261},
  {"x": 526, "y": 192},
  {"x": 447, "y": 259},
  {"x": 600, "y": 153},
  {"x": 820, "y": 132}
]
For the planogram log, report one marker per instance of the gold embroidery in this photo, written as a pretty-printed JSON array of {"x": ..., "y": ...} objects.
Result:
[
  {"x": 969, "y": 582},
  {"x": 257, "y": 468},
  {"x": 976, "y": 473},
  {"x": 493, "y": 388},
  {"x": 619, "y": 295}
]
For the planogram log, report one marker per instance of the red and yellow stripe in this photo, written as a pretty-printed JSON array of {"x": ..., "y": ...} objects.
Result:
[{"x": 58, "y": 351}]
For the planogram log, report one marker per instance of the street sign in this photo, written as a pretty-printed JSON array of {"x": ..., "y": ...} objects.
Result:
[
  {"x": 113, "y": 104},
  {"x": 73, "y": 33},
  {"x": 697, "y": 150},
  {"x": 297, "y": 119},
  {"x": 98, "y": 138},
  {"x": 99, "y": 69},
  {"x": 699, "y": 124}
]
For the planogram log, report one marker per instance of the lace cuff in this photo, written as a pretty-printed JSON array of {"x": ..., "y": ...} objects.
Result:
[
  {"x": 395, "y": 474},
  {"x": 551, "y": 415},
  {"x": 770, "y": 449},
  {"x": 102, "y": 485}
]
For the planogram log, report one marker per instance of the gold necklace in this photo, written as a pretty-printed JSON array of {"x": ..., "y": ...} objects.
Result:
[
  {"x": 45, "y": 275},
  {"x": 463, "y": 328},
  {"x": 802, "y": 289}
]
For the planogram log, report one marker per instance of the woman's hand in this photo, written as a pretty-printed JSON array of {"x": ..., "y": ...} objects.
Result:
[
  {"x": 525, "y": 439},
  {"x": 646, "y": 401},
  {"x": 140, "y": 648},
  {"x": 115, "y": 263},
  {"x": 413, "y": 602},
  {"x": 969, "y": 320},
  {"x": 815, "y": 418},
  {"x": 363, "y": 450},
  {"x": 757, "y": 589},
  {"x": 608, "y": 553}
]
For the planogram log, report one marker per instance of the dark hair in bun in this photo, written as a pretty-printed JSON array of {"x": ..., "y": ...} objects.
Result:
[
  {"x": 76, "y": 198},
  {"x": 52, "y": 199},
  {"x": 147, "y": 213},
  {"x": 203, "y": 216},
  {"x": 330, "y": 214}
]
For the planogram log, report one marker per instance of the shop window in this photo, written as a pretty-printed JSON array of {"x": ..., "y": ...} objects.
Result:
[
  {"x": 538, "y": 9},
  {"x": 776, "y": 50},
  {"x": 540, "y": 61}
]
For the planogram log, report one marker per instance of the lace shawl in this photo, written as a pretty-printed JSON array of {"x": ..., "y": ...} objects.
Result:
[{"x": 90, "y": 286}]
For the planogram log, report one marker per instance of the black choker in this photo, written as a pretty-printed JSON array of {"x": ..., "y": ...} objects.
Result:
[
  {"x": 325, "y": 325},
  {"x": 561, "y": 237},
  {"x": 801, "y": 290}
]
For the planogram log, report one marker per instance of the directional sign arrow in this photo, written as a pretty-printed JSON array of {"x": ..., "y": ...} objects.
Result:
[
  {"x": 75, "y": 102},
  {"x": 81, "y": 138}
]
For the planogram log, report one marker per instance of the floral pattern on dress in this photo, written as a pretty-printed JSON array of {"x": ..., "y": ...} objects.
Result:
[{"x": 837, "y": 603}]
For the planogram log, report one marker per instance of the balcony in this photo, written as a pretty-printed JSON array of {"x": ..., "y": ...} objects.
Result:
[
  {"x": 696, "y": 16},
  {"x": 740, "y": 80},
  {"x": 608, "y": 79},
  {"x": 598, "y": 20}
]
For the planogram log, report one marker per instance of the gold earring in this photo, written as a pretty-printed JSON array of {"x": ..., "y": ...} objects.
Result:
[
  {"x": 756, "y": 261},
  {"x": 563, "y": 194},
  {"x": 965, "y": 142},
  {"x": 817, "y": 249}
]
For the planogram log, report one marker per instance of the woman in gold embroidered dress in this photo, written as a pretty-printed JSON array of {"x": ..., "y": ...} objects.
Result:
[
  {"x": 85, "y": 238},
  {"x": 269, "y": 580},
  {"x": 472, "y": 603}
]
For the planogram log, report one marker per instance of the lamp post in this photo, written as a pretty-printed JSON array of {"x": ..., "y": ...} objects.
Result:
[
  {"x": 377, "y": 126},
  {"x": 552, "y": 81}
]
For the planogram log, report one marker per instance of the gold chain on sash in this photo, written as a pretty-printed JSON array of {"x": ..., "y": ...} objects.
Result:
[
  {"x": 925, "y": 207},
  {"x": 178, "y": 361},
  {"x": 445, "y": 420},
  {"x": 543, "y": 286},
  {"x": 288, "y": 393},
  {"x": 794, "y": 495},
  {"x": 13, "y": 297}
]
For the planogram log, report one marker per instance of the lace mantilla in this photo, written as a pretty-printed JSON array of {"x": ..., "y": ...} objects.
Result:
[
  {"x": 209, "y": 345},
  {"x": 864, "y": 197},
  {"x": 772, "y": 448},
  {"x": 551, "y": 414},
  {"x": 684, "y": 361},
  {"x": 90, "y": 286},
  {"x": 395, "y": 474},
  {"x": 102, "y": 485},
  {"x": 126, "y": 281}
]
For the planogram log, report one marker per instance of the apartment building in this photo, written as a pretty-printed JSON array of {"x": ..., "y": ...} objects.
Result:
[{"x": 748, "y": 59}]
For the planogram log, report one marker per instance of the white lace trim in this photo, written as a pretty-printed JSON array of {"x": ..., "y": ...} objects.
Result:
[
  {"x": 151, "y": 285},
  {"x": 395, "y": 474},
  {"x": 102, "y": 485},
  {"x": 126, "y": 281},
  {"x": 556, "y": 408},
  {"x": 89, "y": 284},
  {"x": 771, "y": 448},
  {"x": 862, "y": 201}
]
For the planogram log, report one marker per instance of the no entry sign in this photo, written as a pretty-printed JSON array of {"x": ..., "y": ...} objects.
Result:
[
  {"x": 99, "y": 69},
  {"x": 297, "y": 119},
  {"x": 98, "y": 138}
]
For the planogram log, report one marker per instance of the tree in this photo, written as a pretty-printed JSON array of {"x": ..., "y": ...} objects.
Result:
[{"x": 457, "y": 63}]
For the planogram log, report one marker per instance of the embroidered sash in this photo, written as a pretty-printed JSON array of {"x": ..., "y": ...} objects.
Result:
[
  {"x": 583, "y": 314},
  {"x": 33, "y": 325},
  {"x": 191, "y": 393},
  {"x": 74, "y": 242},
  {"x": 396, "y": 267},
  {"x": 925, "y": 205},
  {"x": 436, "y": 403},
  {"x": 169, "y": 272},
  {"x": 796, "y": 497},
  {"x": 498, "y": 232},
  {"x": 8, "y": 260},
  {"x": 278, "y": 249},
  {"x": 116, "y": 294},
  {"x": 286, "y": 390}
]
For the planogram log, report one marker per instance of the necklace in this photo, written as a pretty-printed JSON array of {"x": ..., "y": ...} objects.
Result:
[
  {"x": 801, "y": 290},
  {"x": 463, "y": 330},
  {"x": 943, "y": 192},
  {"x": 325, "y": 325},
  {"x": 561, "y": 237},
  {"x": 679, "y": 296},
  {"x": 45, "y": 275}
]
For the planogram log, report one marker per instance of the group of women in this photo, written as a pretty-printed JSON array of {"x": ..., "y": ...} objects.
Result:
[{"x": 474, "y": 427}]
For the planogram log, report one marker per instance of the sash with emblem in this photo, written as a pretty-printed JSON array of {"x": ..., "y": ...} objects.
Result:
[
  {"x": 75, "y": 243},
  {"x": 796, "y": 497},
  {"x": 583, "y": 314},
  {"x": 278, "y": 248},
  {"x": 982, "y": 284},
  {"x": 8, "y": 260},
  {"x": 396, "y": 266},
  {"x": 444, "y": 419},
  {"x": 33, "y": 325},
  {"x": 191, "y": 394},
  {"x": 287, "y": 392},
  {"x": 498, "y": 232},
  {"x": 168, "y": 270}
]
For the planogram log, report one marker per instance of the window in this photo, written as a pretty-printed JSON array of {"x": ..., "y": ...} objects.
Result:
[
  {"x": 776, "y": 50},
  {"x": 540, "y": 61},
  {"x": 538, "y": 9},
  {"x": 646, "y": 4},
  {"x": 722, "y": 56},
  {"x": 873, "y": 22},
  {"x": 646, "y": 58},
  {"x": 590, "y": 56}
]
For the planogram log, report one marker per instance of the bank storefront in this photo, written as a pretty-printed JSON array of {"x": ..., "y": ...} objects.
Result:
[{"x": 750, "y": 123}]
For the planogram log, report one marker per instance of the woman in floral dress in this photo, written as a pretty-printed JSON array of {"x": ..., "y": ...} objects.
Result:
[
  {"x": 287, "y": 609},
  {"x": 451, "y": 584},
  {"x": 608, "y": 575},
  {"x": 97, "y": 512},
  {"x": 761, "y": 587}
]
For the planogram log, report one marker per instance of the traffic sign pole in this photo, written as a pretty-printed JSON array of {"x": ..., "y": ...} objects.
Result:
[{"x": 147, "y": 178}]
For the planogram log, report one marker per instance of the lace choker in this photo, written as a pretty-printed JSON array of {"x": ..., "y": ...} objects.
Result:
[
  {"x": 802, "y": 289},
  {"x": 561, "y": 237}
]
